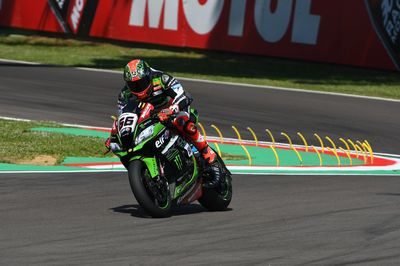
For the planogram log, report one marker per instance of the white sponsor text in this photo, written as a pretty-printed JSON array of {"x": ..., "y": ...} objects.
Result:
[{"x": 272, "y": 25}]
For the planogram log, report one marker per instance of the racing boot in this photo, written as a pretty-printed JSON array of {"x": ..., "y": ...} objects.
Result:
[
  {"x": 208, "y": 155},
  {"x": 213, "y": 168},
  {"x": 210, "y": 158},
  {"x": 190, "y": 130}
]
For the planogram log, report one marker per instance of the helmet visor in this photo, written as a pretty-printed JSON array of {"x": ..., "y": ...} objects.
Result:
[{"x": 138, "y": 85}]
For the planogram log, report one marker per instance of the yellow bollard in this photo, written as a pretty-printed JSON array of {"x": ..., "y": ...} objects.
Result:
[
  {"x": 319, "y": 156},
  {"x": 362, "y": 153},
  {"x": 248, "y": 154},
  {"x": 359, "y": 143},
  {"x": 364, "y": 149},
  {"x": 244, "y": 148},
  {"x": 218, "y": 149},
  {"x": 348, "y": 155},
  {"x": 345, "y": 143},
  {"x": 272, "y": 137},
  {"x": 369, "y": 146},
  {"x": 304, "y": 140},
  {"x": 298, "y": 156},
  {"x": 237, "y": 133},
  {"x": 320, "y": 141},
  {"x": 371, "y": 152},
  {"x": 276, "y": 156},
  {"x": 292, "y": 147},
  {"x": 366, "y": 142},
  {"x": 288, "y": 138},
  {"x": 334, "y": 152},
  {"x": 358, "y": 148},
  {"x": 204, "y": 132},
  {"x": 219, "y": 133},
  {"x": 354, "y": 147},
  {"x": 331, "y": 141},
  {"x": 254, "y": 135},
  {"x": 367, "y": 150}
]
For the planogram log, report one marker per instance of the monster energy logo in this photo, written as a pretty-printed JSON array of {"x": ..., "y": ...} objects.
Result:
[
  {"x": 178, "y": 162},
  {"x": 176, "y": 158},
  {"x": 128, "y": 74}
]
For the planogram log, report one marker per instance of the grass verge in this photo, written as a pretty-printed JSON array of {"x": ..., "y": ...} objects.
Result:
[
  {"x": 19, "y": 145},
  {"x": 203, "y": 64}
]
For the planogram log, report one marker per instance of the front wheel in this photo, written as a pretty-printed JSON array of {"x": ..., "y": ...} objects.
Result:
[
  {"x": 218, "y": 199},
  {"x": 152, "y": 194}
]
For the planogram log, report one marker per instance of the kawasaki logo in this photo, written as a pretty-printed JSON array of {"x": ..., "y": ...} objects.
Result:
[{"x": 385, "y": 16}]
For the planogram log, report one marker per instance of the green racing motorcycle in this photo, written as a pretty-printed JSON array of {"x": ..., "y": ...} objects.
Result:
[{"x": 165, "y": 169}]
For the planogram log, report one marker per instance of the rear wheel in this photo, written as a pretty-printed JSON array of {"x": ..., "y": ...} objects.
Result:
[
  {"x": 218, "y": 198},
  {"x": 152, "y": 194}
]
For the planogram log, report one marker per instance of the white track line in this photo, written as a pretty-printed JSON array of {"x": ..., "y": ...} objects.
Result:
[
  {"x": 67, "y": 125},
  {"x": 19, "y": 62},
  {"x": 224, "y": 83}
]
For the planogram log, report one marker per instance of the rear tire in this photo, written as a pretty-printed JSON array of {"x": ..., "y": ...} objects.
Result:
[
  {"x": 219, "y": 198},
  {"x": 139, "y": 178}
]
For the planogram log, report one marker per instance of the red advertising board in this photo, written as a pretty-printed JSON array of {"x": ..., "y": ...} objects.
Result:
[{"x": 358, "y": 32}]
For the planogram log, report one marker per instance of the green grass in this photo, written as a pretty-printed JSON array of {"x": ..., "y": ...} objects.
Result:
[
  {"x": 18, "y": 144},
  {"x": 191, "y": 63}
]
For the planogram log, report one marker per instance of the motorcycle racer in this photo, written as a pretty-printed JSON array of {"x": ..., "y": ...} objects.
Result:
[{"x": 166, "y": 94}]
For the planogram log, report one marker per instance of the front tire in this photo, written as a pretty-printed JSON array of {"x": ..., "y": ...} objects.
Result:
[{"x": 152, "y": 195}]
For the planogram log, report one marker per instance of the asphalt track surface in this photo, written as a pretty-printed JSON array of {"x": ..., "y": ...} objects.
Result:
[{"x": 93, "y": 219}]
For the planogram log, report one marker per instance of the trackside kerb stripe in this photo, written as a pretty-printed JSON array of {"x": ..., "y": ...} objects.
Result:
[
  {"x": 382, "y": 164},
  {"x": 378, "y": 161}
]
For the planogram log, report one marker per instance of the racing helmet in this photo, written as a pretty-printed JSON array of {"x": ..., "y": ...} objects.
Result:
[{"x": 137, "y": 78}]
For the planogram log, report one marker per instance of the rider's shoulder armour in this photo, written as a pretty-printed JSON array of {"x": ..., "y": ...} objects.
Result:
[{"x": 165, "y": 78}]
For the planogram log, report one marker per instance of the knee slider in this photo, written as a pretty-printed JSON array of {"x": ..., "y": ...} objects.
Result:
[{"x": 180, "y": 121}]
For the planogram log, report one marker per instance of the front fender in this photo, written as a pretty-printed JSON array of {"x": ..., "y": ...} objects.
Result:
[{"x": 151, "y": 164}]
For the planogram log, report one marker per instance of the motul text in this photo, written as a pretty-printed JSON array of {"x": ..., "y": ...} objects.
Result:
[
  {"x": 358, "y": 32},
  {"x": 202, "y": 18}
]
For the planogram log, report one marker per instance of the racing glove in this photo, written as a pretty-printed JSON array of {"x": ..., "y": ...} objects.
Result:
[
  {"x": 112, "y": 145},
  {"x": 164, "y": 114},
  {"x": 110, "y": 142}
]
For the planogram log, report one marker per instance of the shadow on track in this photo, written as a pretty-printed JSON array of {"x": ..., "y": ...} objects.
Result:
[
  {"x": 389, "y": 194},
  {"x": 137, "y": 211}
]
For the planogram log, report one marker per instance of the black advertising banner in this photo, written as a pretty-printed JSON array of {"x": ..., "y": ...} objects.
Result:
[
  {"x": 74, "y": 16},
  {"x": 385, "y": 16}
]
